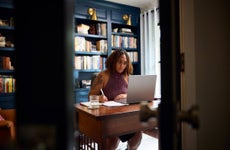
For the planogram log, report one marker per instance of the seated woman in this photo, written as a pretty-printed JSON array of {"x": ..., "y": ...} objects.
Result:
[{"x": 114, "y": 82}]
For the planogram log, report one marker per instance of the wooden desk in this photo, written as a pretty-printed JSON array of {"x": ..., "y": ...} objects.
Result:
[{"x": 98, "y": 124}]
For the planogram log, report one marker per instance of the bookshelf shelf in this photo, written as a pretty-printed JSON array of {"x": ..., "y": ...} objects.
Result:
[
  {"x": 109, "y": 14},
  {"x": 127, "y": 49},
  {"x": 6, "y": 28},
  {"x": 125, "y": 34},
  {"x": 91, "y": 36},
  {"x": 7, "y": 72},
  {"x": 90, "y": 53},
  {"x": 7, "y": 49},
  {"x": 7, "y": 94},
  {"x": 88, "y": 70}
]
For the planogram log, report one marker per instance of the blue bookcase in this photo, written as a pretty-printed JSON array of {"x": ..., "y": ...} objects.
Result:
[
  {"x": 7, "y": 55},
  {"x": 117, "y": 24}
]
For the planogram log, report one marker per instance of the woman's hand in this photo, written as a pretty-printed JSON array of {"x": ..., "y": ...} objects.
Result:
[
  {"x": 102, "y": 99},
  {"x": 120, "y": 96}
]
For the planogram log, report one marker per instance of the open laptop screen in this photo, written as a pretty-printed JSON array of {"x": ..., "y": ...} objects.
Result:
[{"x": 141, "y": 88}]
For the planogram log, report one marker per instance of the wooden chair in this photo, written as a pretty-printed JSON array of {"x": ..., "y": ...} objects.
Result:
[
  {"x": 86, "y": 143},
  {"x": 7, "y": 126}
]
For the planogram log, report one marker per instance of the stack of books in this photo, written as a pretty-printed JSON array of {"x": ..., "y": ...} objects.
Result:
[
  {"x": 125, "y": 30},
  {"x": 7, "y": 84},
  {"x": 5, "y": 63},
  {"x": 82, "y": 29},
  {"x": 2, "y": 41}
]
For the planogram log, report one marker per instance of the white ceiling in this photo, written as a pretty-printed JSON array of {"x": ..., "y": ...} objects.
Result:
[{"x": 143, "y": 4}]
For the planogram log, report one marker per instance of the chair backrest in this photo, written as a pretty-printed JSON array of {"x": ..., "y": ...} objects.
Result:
[{"x": 9, "y": 114}]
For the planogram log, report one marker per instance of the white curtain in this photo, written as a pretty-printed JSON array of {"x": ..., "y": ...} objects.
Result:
[{"x": 150, "y": 45}]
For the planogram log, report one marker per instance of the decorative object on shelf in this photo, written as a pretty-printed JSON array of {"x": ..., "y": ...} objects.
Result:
[
  {"x": 127, "y": 18},
  {"x": 83, "y": 28},
  {"x": 92, "y": 12}
]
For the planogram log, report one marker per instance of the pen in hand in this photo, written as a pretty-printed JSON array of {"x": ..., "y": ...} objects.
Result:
[
  {"x": 104, "y": 98},
  {"x": 102, "y": 92}
]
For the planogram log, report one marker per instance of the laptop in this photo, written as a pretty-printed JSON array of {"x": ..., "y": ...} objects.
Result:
[{"x": 140, "y": 88}]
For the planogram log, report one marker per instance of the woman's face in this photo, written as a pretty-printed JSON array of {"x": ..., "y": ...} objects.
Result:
[{"x": 121, "y": 64}]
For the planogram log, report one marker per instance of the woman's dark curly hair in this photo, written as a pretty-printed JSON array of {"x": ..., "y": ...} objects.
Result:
[{"x": 113, "y": 59}]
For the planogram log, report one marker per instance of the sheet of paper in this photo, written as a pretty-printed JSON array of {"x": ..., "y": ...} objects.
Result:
[
  {"x": 108, "y": 104},
  {"x": 88, "y": 104},
  {"x": 113, "y": 103},
  {"x": 85, "y": 103}
]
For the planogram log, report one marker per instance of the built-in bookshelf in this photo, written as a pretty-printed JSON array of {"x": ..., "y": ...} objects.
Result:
[
  {"x": 91, "y": 50},
  {"x": 7, "y": 56},
  {"x": 91, "y": 46},
  {"x": 102, "y": 27},
  {"x": 126, "y": 37}
]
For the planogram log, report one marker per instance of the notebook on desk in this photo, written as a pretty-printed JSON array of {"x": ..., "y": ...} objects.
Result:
[{"x": 140, "y": 88}]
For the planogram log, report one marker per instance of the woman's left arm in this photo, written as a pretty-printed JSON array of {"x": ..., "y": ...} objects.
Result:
[{"x": 120, "y": 96}]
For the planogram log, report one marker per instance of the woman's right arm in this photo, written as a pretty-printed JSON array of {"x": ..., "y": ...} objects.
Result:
[{"x": 97, "y": 86}]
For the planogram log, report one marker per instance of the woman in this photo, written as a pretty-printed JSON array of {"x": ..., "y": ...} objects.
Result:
[{"x": 114, "y": 83}]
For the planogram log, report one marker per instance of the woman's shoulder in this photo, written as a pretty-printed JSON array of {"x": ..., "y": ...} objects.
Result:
[
  {"x": 103, "y": 76},
  {"x": 104, "y": 73}
]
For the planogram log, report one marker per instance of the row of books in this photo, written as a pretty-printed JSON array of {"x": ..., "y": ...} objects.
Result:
[
  {"x": 123, "y": 30},
  {"x": 5, "y": 63},
  {"x": 83, "y": 45},
  {"x": 2, "y": 41},
  {"x": 7, "y": 84},
  {"x": 89, "y": 62},
  {"x": 123, "y": 41},
  {"x": 82, "y": 28},
  {"x": 7, "y": 22},
  {"x": 133, "y": 55},
  {"x": 96, "y": 29}
]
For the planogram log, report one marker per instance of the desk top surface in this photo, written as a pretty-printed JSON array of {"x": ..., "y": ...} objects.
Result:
[{"x": 104, "y": 111}]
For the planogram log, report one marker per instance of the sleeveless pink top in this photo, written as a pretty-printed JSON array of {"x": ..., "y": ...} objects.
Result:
[{"x": 116, "y": 85}]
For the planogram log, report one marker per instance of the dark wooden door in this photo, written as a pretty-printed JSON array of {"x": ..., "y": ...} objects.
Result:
[
  {"x": 211, "y": 50},
  {"x": 169, "y": 138}
]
